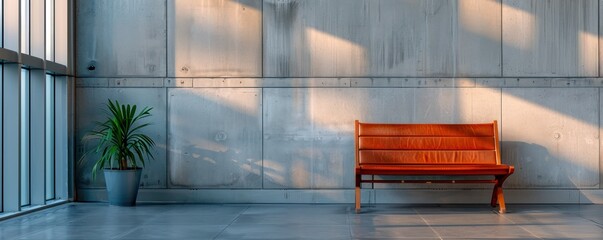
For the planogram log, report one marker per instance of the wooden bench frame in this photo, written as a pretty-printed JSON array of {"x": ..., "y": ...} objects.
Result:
[{"x": 388, "y": 164}]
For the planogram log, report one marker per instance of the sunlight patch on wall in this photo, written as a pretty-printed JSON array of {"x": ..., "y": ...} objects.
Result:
[
  {"x": 524, "y": 25},
  {"x": 588, "y": 58},
  {"x": 249, "y": 107},
  {"x": 480, "y": 105},
  {"x": 252, "y": 166},
  {"x": 214, "y": 38},
  {"x": 327, "y": 52},
  {"x": 332, "y": 111},
  {"x": 299, "y": 175},
  {"x": 477, "y": 18},
  {"x": 563, "y": 135},
  {"x": 464, "y": 101},
  {"x": 273, "y": 170}
]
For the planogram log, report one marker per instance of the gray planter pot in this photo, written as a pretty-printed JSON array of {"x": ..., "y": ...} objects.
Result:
[{"x": 122, "y": 186}]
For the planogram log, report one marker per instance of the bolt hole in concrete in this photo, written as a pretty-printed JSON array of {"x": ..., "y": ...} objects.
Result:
[
  {"x": 221, "y": 136},
  {"x": 92, "y": 66}
]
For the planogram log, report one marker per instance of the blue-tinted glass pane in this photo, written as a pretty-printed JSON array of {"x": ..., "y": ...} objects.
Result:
[
  {"x": 50, "y": 30},
  {"x": 25, "y": 10},
  {"x": 24, "y": 146},
  {"x": 49, "y": 122}
]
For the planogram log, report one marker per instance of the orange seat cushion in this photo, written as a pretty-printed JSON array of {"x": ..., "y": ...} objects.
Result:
[
  {"x": 435, "y": 169},
  {"x": 426, "y": 157}
]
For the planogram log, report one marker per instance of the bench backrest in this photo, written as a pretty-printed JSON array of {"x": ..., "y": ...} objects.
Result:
[{"x": 378, "y": 143}]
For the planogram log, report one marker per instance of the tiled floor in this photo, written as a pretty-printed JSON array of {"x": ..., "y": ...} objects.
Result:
[{"x": 302, "y": 221}]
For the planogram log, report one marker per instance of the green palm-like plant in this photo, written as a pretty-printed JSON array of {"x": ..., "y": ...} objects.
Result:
[{"x": 119, "y": 139}]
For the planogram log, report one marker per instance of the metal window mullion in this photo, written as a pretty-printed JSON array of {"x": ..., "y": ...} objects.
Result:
[
  {"x": 11, "y": 151},
  {"x": 37, "y": 137}
]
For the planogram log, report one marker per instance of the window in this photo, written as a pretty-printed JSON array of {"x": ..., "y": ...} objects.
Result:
[
  {"x": 49, "y": 133},
  {"x": 33, "y": 104},
  {"x": 25, "y": 18},
  {"x": 50, "y": 30},
  {"x": 24, "y": 132}
]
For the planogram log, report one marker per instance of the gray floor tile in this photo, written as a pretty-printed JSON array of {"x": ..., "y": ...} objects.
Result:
[
  {"x": 546, "y": 218},
  {"x": 297, "y": 219},
  {"x": 175, "y": 232},
  {"x": 514, "y": 238},
  {"x": 422, "y": 238},
  {"x": 387, "y": 209},
  {"x": 285, "y": 231},
  {"x": 465, "y": 219},
  {"x": 210, "y": 209},
  {"x": 574, "y": 208},
  {"x": 594, "y": 218},
  {"x": 595, "y": 215},
  {"x": 108, "y": 220},
  {"x": 16, "y": 232},
  {"x": 191, "y": 219},
  {"x": 386, "y": 220},
  {"x": 565, "y": 231},
  {"x": 393, "y": 231},
  {"x": 484, "y": 231},
  {"x": 79, "y": 232},
  {"x": 40, "y": 219},
  {"x": 456, "y": 209},
  {"x": 534, "y": 208},
  {"x": 298, "y": 209}
]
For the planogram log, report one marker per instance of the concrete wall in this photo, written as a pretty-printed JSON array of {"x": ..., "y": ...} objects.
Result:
[{"x": 254, "y": 101}]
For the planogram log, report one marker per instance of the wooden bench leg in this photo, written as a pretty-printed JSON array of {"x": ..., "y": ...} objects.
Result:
[
  {"x": 494, "y": 196},
  {"x": 358, "y": 178},
  {"x": 502, "y": 207},
  {"x": 497, "y": 194}
]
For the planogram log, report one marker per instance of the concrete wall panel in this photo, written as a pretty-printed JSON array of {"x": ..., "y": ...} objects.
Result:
[
  {"x": 309, "y": 133},
  {"x": 90, "y": 105},
  {"x": 307, "y": 137},
  {"x": 551, "y": 136},
  {"x": 550, "y": 38},
  {"x": 478, "y": 43},
  {"x": 215, "y": 138},
  {"x": 211, "y": 38},
  {"x": 121, "y": 38},
  {"x": 346, "y": 38}
]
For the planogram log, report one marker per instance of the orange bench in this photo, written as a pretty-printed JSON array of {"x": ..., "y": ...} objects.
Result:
[{"x": 428, "y": 150}]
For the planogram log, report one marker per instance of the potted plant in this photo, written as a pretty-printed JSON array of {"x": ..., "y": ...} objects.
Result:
[{"x": 123, "y": 148}]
